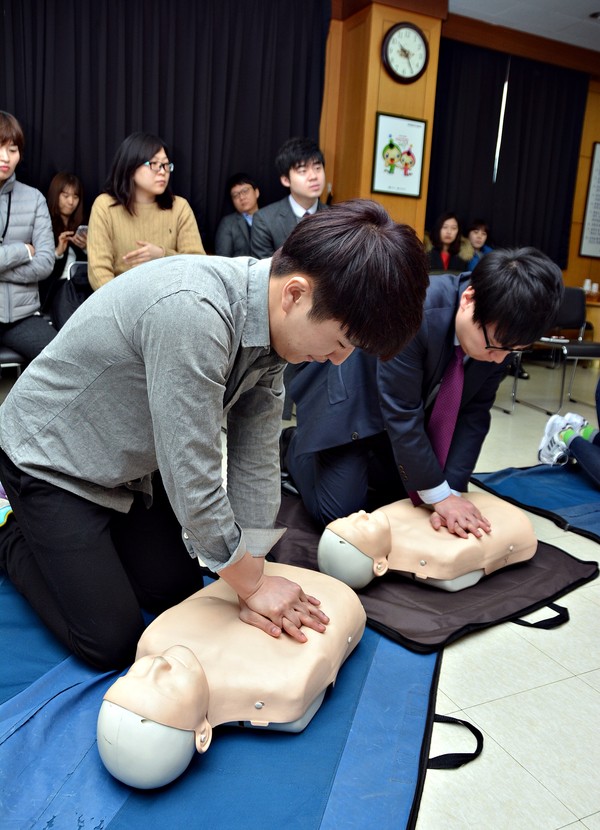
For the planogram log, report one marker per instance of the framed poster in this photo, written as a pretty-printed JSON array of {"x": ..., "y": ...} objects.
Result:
[
  {"x": 590, "y": 233},
  {"x": 398, "y": 155}
]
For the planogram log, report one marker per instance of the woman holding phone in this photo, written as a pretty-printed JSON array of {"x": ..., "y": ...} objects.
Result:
[
  {"x": 65, "y": 203},
  {"x": 138, "y": 218}
]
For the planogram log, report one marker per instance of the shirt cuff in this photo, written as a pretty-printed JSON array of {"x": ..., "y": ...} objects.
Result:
[{"x": 435, "y": 494}]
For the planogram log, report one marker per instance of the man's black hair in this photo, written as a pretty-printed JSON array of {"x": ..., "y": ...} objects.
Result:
[
  {"x": 297, "y": 151},
  {"x": 369, "y": 273},
  {"x": 519, "y": 291}
]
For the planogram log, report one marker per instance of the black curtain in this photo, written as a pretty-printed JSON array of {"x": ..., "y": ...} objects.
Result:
[
  {"x": 531, "y": 201},
  {"x": 224, "y": 82},
  {"x": 537, "y": 170},
  {"x": 465, "y": 127}
]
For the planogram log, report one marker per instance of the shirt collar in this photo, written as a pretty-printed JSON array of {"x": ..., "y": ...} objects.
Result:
[{"x": 298, "y": 210}]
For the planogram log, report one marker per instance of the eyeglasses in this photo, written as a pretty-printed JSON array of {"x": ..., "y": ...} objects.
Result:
[
  {"x": 490, "y": 347},
  {"x": 157, "y": 166},
  {"x": 243, "y": 191}
]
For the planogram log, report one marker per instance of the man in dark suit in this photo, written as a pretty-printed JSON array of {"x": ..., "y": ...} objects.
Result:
[
  {"x": 362, "y": 437},
  {"x": 233, "y": 232},
  {"x": 301, "y": 168}
]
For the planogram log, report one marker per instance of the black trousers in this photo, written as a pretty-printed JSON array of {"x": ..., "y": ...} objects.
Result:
[
  {"x": 341, "y": 480},
  {"x": 87, "y": 570}
]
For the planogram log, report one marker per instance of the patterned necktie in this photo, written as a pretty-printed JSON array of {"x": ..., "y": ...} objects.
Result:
[
  {"x": 442, "y": 422},
  {"x": 440, "y": 428}
]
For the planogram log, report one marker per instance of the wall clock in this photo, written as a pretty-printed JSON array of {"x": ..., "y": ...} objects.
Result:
[{"x": 405, "y": 52}]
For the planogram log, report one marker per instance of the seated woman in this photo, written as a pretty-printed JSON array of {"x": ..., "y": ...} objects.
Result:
[
  {"x": 26, "y": 250},
  {"x": 572, "y": 437},
  {"x": 448, "y": 252},
  {"x": 400, "y": 537},
  {"x": 477, "y": 235},
  {"x": 138, "y": 218},
  {"x": 198, "y": 665},
  {"x": 65, "y": 203}
]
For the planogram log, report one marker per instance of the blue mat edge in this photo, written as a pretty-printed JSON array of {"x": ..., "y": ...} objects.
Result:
[{"x": 552, "y": 515}]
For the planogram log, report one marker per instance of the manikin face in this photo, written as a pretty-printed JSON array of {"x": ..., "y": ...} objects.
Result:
[
  {"x": 306, "y": 182},
  {"x": 448, "y": 232},
  {"x": 148, "y": 184},
  {"x": 245, "y": 198},
  {"x": 477, "y": 238},
  {"x": 169, "y": 688},
  {"x": 9, "y": 158},
  {"x": 68, "y": 200},
  {"x": 472, "y": 337},
  {"x": 295, "y": 337},
  {"x": 369, "y": 532}
]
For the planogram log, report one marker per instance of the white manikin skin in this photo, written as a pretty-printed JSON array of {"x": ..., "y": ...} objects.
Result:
[
  {"x": 400, "y": 537},
  {"x": 198, "y": 665}
]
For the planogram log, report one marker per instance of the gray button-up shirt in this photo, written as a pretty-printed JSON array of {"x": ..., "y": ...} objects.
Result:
[{"x": 140, "y": 379}]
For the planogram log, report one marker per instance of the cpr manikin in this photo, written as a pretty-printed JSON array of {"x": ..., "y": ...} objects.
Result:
[
  {"x": 400, "y": 537},
  {"x": 198, "y": 665}
]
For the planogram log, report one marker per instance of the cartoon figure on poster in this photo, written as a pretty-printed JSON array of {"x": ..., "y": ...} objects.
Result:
[
  {"x": 396, "y": 153},
  {"x": 407, "y": 161},
  {"x": 391, "y": 156}
]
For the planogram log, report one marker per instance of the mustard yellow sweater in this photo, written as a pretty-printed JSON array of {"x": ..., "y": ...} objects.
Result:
[{"x": 113, "y": 232}]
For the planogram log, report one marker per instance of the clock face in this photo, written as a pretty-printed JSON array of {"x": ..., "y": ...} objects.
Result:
[{"x": 405, "y": 52}]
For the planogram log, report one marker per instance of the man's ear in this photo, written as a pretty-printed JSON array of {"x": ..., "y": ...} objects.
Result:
[
  {"x": 257, "y": 192},
  {"x": 467, "y": 298},
  {"x": 295, "y": 289},
  {"x": 285, "y": 181}
]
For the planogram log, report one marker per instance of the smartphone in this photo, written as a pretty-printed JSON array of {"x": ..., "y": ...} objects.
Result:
[{"x": 82, "y": 229}]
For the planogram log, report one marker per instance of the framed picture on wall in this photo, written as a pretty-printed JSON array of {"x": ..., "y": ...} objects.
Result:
[
  {"x": 590, "y": 232},
  {"x": 398, "y": 155}
]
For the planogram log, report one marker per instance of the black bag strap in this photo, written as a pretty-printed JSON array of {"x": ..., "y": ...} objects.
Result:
[
  {"x": 454, "y": 760},
  {"x": 560, "y": 618}
]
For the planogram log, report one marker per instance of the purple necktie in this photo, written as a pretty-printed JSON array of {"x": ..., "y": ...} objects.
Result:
[{"x": 442, "y": 422}]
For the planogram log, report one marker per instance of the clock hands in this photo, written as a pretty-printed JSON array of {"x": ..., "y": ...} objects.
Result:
[{"x": 404, "y": 53}]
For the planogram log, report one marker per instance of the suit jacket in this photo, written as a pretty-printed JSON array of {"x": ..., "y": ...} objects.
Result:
[
  {"x": 271, "y": 226},
  {"x": 233, "y": 236},
  {"x": 363, "y": 396}
]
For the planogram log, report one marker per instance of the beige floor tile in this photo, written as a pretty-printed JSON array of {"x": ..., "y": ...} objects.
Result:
[
  {"x": 443, "y": 704},
  {"x": 592, "y": 822},
  {"x": 494, "y": 792},
  {"x": 593, "y": 678},
  {"x": 552, "y": 732},
  {"x": 575, "y": 645},
  {"x": 495, "y": 663}
]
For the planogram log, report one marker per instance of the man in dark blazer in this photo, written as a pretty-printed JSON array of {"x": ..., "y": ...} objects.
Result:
[
  {"x": 301, "y": 168},
  {"x": 233, "y": 232},
  {"x": 362, "y": 440}
]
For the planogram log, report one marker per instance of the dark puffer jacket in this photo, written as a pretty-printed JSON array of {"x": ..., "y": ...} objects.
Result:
[{"x": 28, "y": 222}]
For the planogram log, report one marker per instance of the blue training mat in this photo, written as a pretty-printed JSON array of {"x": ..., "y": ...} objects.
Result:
[
  {"x": 566, "y": 495},
  {"x": 360, "y": 762}
]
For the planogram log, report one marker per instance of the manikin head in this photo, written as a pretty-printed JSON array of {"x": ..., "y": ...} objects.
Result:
[
  {"x": 153, "y": 719},
  {"x": 355, "y": 549}
]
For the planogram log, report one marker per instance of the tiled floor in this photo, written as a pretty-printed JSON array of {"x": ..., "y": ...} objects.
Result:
[{"x": 534, "y": 694}]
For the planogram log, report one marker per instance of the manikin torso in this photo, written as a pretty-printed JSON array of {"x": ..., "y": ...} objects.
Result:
[{"x": 400, "y": 537}]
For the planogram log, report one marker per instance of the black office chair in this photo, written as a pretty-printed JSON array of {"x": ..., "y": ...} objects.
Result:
[
  {"x": 571, "y": 316},
  {"x": 10, "y": 358}
]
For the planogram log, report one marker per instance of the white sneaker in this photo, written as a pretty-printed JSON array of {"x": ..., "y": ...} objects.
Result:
[
  {"x": 576, "y": 421},
  {"x": 552, "y": 450}
]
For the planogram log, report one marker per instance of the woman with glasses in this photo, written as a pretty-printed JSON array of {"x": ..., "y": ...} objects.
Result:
[{"x": 138, "y": 218}]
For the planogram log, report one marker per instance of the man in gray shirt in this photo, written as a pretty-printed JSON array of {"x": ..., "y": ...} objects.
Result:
[{"x": 111, "y": 439}]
